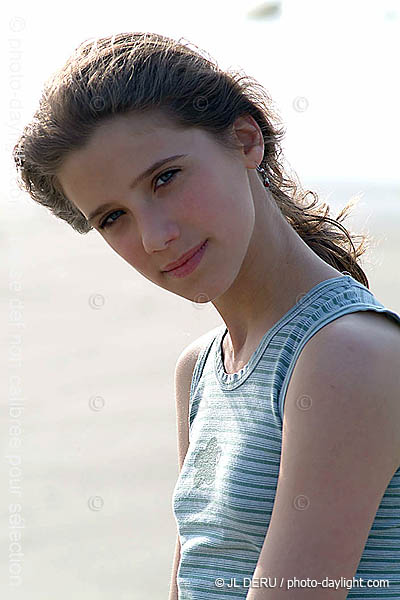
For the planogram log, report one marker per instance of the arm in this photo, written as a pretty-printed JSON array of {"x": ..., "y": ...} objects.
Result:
[
  {"x": 339, "y": 453},
  {"x": 173, "y": 591},
  {"x": 183, "y": 378}
]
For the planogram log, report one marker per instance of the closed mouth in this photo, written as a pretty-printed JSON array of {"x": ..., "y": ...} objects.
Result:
[{"x": 184, "y": 258}]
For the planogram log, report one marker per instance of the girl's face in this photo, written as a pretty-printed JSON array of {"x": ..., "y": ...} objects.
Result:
[{"x": 204, "y": 195}]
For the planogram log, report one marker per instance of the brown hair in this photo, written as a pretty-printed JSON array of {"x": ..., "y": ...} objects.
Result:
[{"x": 126, "y": 72}]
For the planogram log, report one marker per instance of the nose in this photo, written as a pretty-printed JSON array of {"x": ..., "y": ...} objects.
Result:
[{"x": 157, "y": 231}]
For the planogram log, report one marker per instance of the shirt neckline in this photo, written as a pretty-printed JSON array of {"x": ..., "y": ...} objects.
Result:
[{"x": 233, "y": 380}]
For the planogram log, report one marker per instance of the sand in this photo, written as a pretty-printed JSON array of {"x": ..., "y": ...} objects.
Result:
[{"x": 95, "y": 366}]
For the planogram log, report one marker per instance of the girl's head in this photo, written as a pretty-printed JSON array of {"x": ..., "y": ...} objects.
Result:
[
  {"x": 154, "y": 191},
  {"x": 123, "y": 102}
]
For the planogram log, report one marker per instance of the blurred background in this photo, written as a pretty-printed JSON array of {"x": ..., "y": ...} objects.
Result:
[{"x": 88, "y": 429}]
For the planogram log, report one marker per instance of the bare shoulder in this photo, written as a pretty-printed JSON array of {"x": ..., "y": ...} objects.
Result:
[
  {"x": 364, "y": 334},
  {"x": 351, "y": 368},
  {"x": 340, "y": 449},
  {"x": 188, "y": 357},
  {"x": 370, "y": 321},
  {"x": 184, "y": 368}
]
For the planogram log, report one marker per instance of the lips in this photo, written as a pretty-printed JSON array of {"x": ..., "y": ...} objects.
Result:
[{"x": 184, "y": 258}]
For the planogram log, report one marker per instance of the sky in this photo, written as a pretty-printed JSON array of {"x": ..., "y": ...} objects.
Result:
[{"x": 330, "y": 67}]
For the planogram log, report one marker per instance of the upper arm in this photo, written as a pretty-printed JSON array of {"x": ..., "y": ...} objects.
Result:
[
  {"x": 340, "y": 449},
  {"x": 183, "y": 378},
  {"x": 182, "y": 381}
]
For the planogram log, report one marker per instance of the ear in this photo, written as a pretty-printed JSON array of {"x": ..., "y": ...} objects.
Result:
[{"x": 249, "y": 136}]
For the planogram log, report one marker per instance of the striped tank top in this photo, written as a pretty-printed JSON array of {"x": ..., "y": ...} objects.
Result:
[{"x": 224, "y": 495}]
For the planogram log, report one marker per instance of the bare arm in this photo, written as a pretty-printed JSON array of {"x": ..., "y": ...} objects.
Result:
[
  {"x": 183, "y": 378},
  {"x": 173, "y": 591},
  {"x": 338, "y": 457}
]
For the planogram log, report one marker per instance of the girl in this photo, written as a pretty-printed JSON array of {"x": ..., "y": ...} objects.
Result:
[{"x": 288, "y": 414}]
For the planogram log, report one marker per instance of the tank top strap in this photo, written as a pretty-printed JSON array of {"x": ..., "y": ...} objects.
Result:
[{"x": 340, "y": 300}]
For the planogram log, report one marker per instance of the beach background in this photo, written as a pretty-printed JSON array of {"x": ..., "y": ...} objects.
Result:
[{"x": 87, "y": 421}]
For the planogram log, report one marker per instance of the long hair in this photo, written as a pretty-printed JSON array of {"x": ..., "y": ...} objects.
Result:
[{"x": 125, "y": 72}]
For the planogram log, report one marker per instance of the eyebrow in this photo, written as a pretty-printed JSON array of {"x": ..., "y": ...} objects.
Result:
[{"x": 135, "y": 182}]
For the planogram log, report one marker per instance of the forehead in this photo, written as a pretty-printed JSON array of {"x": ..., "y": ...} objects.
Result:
[
  {"x": 119, "y": 140},
  {"x": 133, "y": 127},
  {"x": 119, "y": 149}
]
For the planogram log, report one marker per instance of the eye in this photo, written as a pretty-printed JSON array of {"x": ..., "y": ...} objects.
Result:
[
  {"x": 104, "y": 224},
  {"x": 173, "y": 171}
]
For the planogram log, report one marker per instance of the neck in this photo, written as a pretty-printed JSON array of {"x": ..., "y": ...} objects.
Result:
[{"x": 279, "y": 267}]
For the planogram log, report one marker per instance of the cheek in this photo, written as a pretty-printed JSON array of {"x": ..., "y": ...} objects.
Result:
[
  {"x": 226, "y": 210},
  {"x": 202, "y": 205},
  {"x": 189, "y": 207},
  {"x": 130, "y": 249}
]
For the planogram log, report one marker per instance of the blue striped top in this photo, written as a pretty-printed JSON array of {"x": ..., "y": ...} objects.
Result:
[{"x": 224, "y": 496}]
